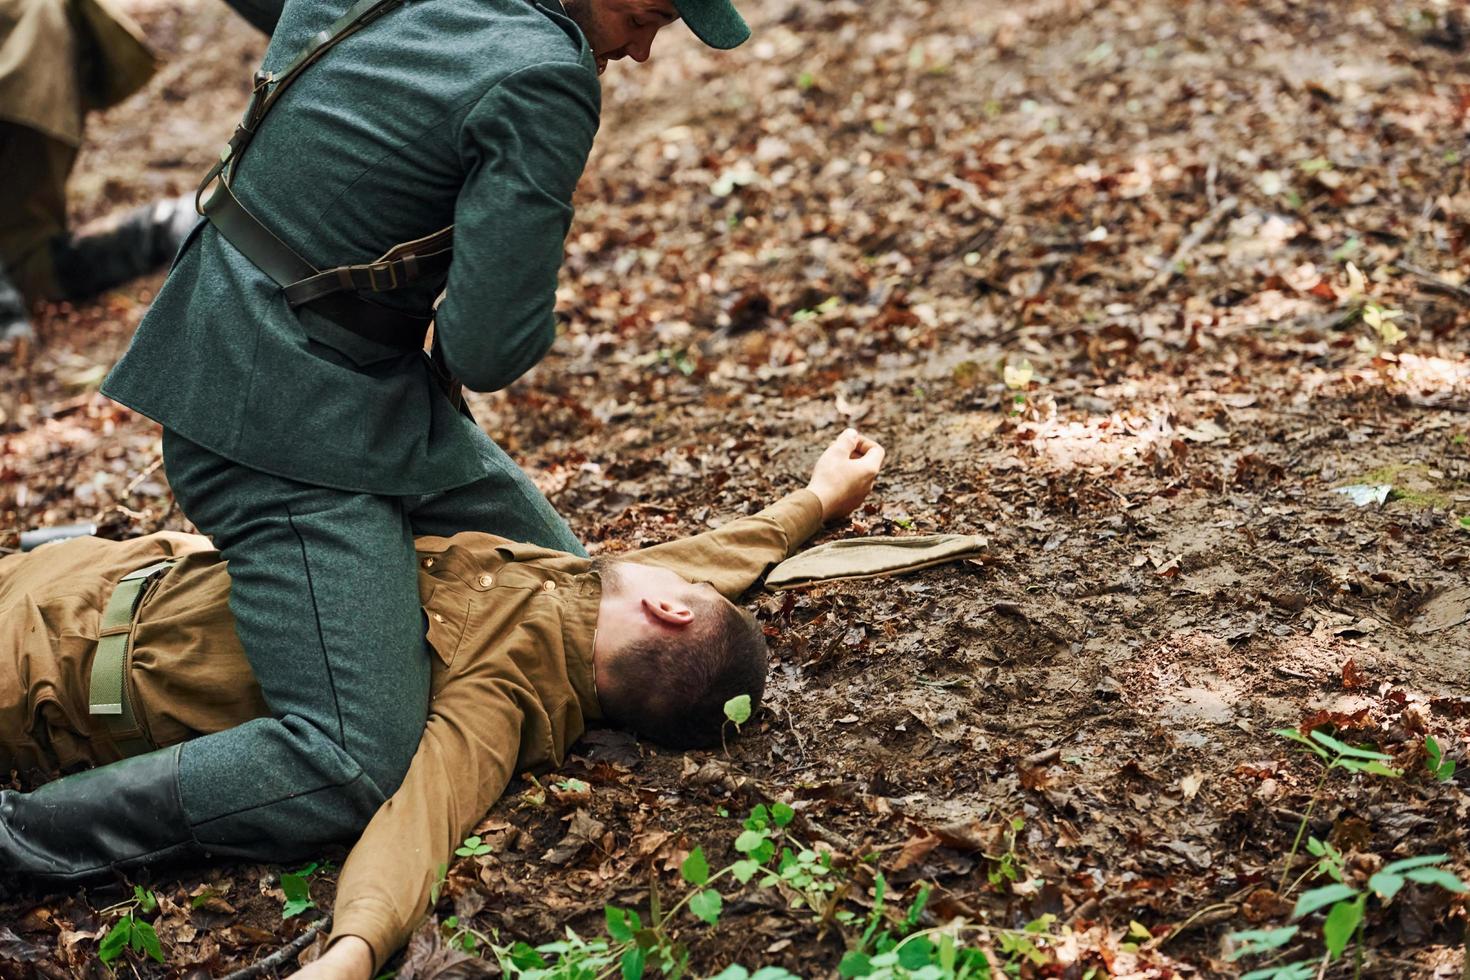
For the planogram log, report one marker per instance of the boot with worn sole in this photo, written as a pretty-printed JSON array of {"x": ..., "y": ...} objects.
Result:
[
  {"x": 142, "y": 240},
  {"x": 14, "y": 324},
  {"x": 87, "y": 826}
]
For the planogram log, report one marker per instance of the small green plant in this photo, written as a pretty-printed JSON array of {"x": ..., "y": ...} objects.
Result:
[
  {"x": 460, "y": 936},
  {"x": 737, "y": 972},
  {"x": 296, "y": 886},
  {"x": 1345, "y": 902},
  {"x": 572, "y": 958},
  {"x": 473, "y": 846},
  {"x": 825, "y": 306},
  {"x": 888, "y": 947},
  {"x": 679, "y": 359},
  {"x": 1440, "y": 768},
  {"x": 1333, "y": 754},
  {"x": 131, "y": 932},
  {"x": 737, "y": 713},
  {"x": 1007, "y": 866},
  {"x": 1380, "y": 320},
  {"x": 1346, "y": 905},
  {"x": 737, "y": 710},
  {"x": 1018, "y": 378}
]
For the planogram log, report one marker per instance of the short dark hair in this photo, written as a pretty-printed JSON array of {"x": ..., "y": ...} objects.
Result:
[{"x": 673, "y": 691}]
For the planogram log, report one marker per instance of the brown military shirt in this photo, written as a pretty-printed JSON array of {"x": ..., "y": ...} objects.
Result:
[{"x": 511, "y": 626}]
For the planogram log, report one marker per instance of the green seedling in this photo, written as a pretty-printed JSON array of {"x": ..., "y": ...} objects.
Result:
[
  {"x": 737, "y": 713},
  {"x": 1343, "y": 902},
  {"x": 472, "y": 847},
  {"x": 1007, "y": 867},
  {"x": 297, "y": 888},
  {"x": 131, "y": 932},
  {"x": 460, "y": 936},
  {"x": 889, "y": 947},
  {"x": 1440, "y": 768},
  {"x": 1333, "y": 754},
  {"x": 1346, "y": 908},
  {"x": 737, "y": 710},
  {"x": 1380, "y": 320}
]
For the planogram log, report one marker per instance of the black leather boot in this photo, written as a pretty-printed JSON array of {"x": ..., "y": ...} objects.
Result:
[
  {"x": 82, "y": 827},
  {"x": 142, "y": 240}
]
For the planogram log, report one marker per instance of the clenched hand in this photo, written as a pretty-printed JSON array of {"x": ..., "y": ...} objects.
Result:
[{"x": 845, "y": 472}]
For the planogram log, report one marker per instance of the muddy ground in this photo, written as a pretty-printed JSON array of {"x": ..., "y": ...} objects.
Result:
[{"x": 1147, "y": 212}]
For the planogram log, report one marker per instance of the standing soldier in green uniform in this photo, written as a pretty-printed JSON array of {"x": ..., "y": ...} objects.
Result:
[
  {"x": 306, "y": 430},
  {"x": 58, "y": 60}
]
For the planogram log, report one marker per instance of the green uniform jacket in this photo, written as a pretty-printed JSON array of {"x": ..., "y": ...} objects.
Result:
[{"x": 477, "y": 112}]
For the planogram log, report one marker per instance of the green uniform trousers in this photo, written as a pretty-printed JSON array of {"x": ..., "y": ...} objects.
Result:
[{"x": 324, "y": 591}]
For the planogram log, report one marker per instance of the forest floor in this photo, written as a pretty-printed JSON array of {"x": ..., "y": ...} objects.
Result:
[{"x": 1103, "y": 278}]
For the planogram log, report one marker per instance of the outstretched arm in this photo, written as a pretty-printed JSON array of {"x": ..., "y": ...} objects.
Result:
[
  {"x": 349, "y": 958},
  {"x": 732, "y": 558},
  {"x": 460, "y": 770}
]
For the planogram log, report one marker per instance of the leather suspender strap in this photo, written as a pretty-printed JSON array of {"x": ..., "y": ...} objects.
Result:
[
  {"x": 275, "y": 258},
  {"x": 108, "y": 694},
  {"x": 259, "y": 244},
  {"x": 418, "y": 259},
  {"x": 402, "y": 265},
  {"x": 269, "y": 86}
]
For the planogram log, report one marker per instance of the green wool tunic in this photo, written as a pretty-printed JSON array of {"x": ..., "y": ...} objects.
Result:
[{"x": 476, "y": 112}]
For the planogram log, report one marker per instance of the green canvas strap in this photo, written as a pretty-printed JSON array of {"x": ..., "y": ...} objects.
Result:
[
  {"x": 107, "y": 694},
  {"x": 336, "y": 292}
]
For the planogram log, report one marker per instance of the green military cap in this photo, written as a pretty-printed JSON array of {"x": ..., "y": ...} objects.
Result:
[{"x": 715, "y": 22}]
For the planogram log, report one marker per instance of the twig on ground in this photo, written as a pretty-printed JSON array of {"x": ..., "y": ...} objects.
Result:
[
  {"x": 1207, "y": 916},
  {"x": 1197, "y": 234},
  {"x": 791, "y": 724},
  {"x": 1436, "y": 283},
  {"x": 283, "y": 955},
  {"x": 1043, "y": 757},
  {"x": 137, "y": 481}
]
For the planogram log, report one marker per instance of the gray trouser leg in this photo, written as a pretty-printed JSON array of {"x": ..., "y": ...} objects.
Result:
[
  {"x": 324, "y": 591},
  {"x": 506, "y": 503}
]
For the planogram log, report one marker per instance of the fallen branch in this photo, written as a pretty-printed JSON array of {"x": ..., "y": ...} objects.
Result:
[
  {"x": 1044, "y": 757},
  {"x": 1207, "y": 916},
  {"x": 1201, "y": 230},
  {"x": 283, "y": 955},
  {"x": 1436, "y": 283}
]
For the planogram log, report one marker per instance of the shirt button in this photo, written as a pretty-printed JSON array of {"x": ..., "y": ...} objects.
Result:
[
  {"x": 428, "y": 563},
  {"x": 549, "y": 585},
  {"x": 438, "y": 618},
  {"x": 486, "y": 581}
]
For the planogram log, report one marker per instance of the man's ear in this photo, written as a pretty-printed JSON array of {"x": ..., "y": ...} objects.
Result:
[{"x": 671, "y": 612}]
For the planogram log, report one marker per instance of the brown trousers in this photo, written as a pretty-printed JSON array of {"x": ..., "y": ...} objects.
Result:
[{"x": 187, "y": 675}]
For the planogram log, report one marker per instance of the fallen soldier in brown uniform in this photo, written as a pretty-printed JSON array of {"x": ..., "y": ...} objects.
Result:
[{"x": 531, "y": 645}]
